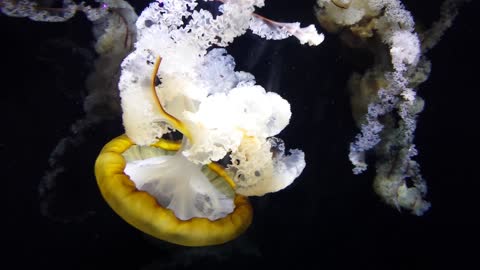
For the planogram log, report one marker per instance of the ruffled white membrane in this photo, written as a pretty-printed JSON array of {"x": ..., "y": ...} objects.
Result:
[
  {"x": 223, "y": 109},
  {"x": 189, "y": 190}
]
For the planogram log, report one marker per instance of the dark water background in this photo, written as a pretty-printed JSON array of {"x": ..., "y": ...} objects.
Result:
[{"x": 327, "y": 219}]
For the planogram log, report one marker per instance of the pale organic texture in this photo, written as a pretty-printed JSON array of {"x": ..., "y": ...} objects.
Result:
[
  {"x": 179, "y": 185},
  {"x": 385, "y": 89},
  {"x": 384, "y": 100},
  {"x": 274, "y": 30},
  {"x": 222, "y": 108},
  {"x": 245, "y": 111},
  {"x": 256, "y": 174}
]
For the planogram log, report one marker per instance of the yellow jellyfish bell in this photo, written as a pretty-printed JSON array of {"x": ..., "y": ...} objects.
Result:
[{"x": 141, "y": 210}]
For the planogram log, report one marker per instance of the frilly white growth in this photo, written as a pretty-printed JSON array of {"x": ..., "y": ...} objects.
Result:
[
  {"x": 256, "y": 174},
  {"x": 273, "y": 30},
  {"x": 223, "y": 120},
  {"x": 392, "y": 139},
  {"x": 225, "y": 112},
  {"x": 34, "y": 11},
  {"x": 177, "y": 184},
  {"x": 404, "y": 49},
  {"x": 29, "y": 9}
]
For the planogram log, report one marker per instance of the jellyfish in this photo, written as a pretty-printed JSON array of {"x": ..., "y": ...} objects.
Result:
[
  {"x": 180, "y": 81},
  {"x": 179, "y": 184},
  {"x": 384, "y": 100}
]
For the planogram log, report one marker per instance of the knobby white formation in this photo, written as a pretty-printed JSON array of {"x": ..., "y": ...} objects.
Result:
[
  {"x": 35, "y": 12},
  {"x": 395, "y": 27},
  {"x": 225, "y": 112},
  {"x": 388, "y": 88}
]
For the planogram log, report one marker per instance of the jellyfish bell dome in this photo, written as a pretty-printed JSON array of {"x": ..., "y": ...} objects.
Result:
[{"x": 153, "y": 214}]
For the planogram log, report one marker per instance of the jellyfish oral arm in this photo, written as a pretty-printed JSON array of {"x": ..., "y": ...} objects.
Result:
[{"x": 177, "y": 124}]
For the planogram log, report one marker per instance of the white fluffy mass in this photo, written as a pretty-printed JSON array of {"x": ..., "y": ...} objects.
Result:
[
  {"x": 393, "y": 25},
  {"x": 225, "y": 112},
  {"x": 189, "y": 194}
]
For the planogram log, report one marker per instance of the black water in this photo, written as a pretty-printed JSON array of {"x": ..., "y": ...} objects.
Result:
[{"x": 327, "y": 219}]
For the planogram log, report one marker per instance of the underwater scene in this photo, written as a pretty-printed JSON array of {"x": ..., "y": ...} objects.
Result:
[{"x": 233, "y": 134}]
